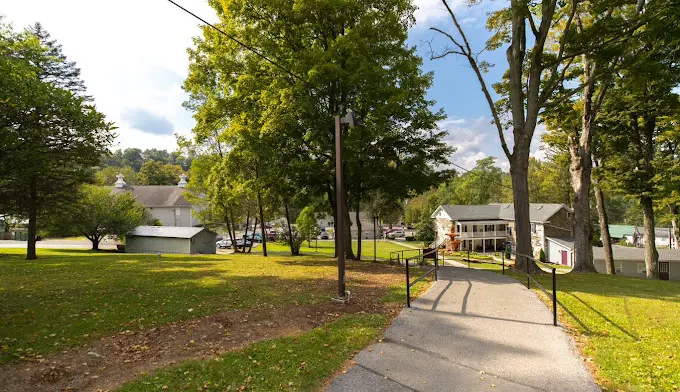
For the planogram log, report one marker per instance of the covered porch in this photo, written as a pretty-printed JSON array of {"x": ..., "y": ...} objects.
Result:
[{"x": 481, "y": 236}]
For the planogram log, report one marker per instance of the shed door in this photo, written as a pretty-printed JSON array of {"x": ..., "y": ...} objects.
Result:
[
  {"x": 663, "y": 270},
  {"x": 564, "y": 257}
]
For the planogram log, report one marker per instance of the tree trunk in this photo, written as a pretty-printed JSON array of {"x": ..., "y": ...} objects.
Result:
[
  {"x": 375, "y": 238},
  {"x": 356, "y": 214},
  {"x": 32, "y": 222},
  {"x": 651, "y": 254},
  {"x": 349, "y": 252},
  {"x": 520, "y": 191},
  {"x": 262, "y": 228},
  {"x": 250, "y": 248},
  {"x": 290, "y": 231},
  {"x": 245, "y": 235},
  {"x": 95, "y": 243},
  {"x": 604, "y": 229},
  {"x": 233, "y": 228},
  {"x": 675, "y": 211}
]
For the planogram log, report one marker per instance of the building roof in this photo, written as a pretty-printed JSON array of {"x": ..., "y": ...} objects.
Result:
[
  {"x": 620, "y": 231},
  {"x": 661, "y": 232},
  {"x": 156, "y": 195},
  {"x": 538, "y": 212},
  {"x": 567, "y": 242},
  {"x": 165, "y": 231},
  {"x": 635, "y": 254}
]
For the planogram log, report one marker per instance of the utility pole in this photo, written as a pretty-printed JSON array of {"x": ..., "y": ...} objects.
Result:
[{"x": 349, "y": 119}]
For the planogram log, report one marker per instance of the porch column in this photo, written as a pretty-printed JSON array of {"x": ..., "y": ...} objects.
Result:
[
  {"x": 494, "y": 244},
  {"x": 484, "y": 238}
]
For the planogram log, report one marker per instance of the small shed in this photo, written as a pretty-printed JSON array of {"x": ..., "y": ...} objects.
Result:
[
  {"x": 560, "y": 250},
  {"x": 167, "y": 239},
  {"x": 629, "y": 261}
]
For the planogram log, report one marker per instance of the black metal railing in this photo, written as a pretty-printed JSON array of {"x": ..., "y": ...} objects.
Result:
[
  {"x": 420, "y": 261},
  {"x": 396, "y": 256},
  {"x": 528, "y": 274}
]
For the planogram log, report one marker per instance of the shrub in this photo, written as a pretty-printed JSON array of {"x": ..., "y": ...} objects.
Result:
[
  {"x": 541, "y": 256},
  {"x": 410, "y": 238},
  {"x": 507, "y": 252}
]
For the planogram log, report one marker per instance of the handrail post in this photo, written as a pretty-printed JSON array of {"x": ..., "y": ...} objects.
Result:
[
  {"x": 436, "y": 264},
  {"x": 554, "y": 296},
  {"x": 526, "y": 261},
  {"x": 408, "y": 286}
]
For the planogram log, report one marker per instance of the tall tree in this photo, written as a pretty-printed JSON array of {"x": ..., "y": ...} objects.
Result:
[
  {"x": 341, "y": 55},
  {"x": 535, "y": 71},
  {"x": 50, "y": 135}
]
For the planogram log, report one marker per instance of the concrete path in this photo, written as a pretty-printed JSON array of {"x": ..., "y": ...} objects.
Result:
[{"x": 473, "y": 330}]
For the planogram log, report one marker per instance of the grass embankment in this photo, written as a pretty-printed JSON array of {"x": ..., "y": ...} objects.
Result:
[
  {"x": 301, "y": 363},
  {"x": 327, "y": 247},
  {"x": 628, "y": 328}
]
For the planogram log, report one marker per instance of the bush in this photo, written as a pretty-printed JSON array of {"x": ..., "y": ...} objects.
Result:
[
  {"x": 410, "y": 238},
  {"x": 541, "y": 256},
  {"x": 507, "y": 252}
]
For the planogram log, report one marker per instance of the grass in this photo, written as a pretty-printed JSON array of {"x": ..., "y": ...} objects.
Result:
[
  {"x": 69, "y": 297},
  {"x": 630, "y": 328},
  {"x": 327, "y": 247},
  {"x": 301, "y": 363}
]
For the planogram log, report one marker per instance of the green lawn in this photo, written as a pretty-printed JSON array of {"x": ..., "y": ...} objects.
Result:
[
  {"x": 631, "y": 328},
  {"x": 327, "y": 247},
  {"x": 66, "y": 298},
  {"x": 301, "y": 363}
]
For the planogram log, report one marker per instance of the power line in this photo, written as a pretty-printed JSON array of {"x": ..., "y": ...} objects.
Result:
[{"x": 251, "y": 49}]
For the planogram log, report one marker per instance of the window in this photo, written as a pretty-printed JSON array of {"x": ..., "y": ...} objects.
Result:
[
  {"x": 509, "y": 230},
  {"x": 474, "y": 228},
  {"x": 618, "y": 267},
  {"x": 533, "y": 228},
  {"x": 641, "y": 268}
]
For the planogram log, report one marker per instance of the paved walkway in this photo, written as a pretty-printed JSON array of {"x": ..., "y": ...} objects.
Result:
[{"x": 473, "y": 330}]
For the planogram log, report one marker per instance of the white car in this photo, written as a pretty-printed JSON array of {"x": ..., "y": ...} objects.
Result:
[
  {"x": 224, "y": 243},
  {"x": 397, "y": 233}
]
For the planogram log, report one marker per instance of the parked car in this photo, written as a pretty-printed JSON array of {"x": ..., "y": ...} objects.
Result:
[
  {"x": 257, "y": 237},
  {"x": 397, "y": 233},
  {"x": 224, "y": 243},
  {"x": 271, "y": 235},
  {"x": 323, "y": 235}
]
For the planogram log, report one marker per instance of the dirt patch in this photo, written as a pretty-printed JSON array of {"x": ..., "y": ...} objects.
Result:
[{"x": 107, "y": 363}]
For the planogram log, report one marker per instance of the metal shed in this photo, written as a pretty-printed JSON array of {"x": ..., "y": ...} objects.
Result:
[{"x": 166, "y": 239}]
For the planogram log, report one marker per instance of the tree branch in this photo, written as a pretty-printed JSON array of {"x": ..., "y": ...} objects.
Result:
[{"x": 466, "y": 51}]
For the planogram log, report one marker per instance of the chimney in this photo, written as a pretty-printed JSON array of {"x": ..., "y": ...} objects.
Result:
[
  {"x": 182, "y": 181},
  {"x": 121, "y": 182}
]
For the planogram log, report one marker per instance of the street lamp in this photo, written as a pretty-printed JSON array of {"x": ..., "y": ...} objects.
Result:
[{"x": 350, "y": 120}]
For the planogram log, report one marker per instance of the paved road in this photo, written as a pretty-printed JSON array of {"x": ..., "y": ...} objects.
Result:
[{"x": 472, "y": 330}]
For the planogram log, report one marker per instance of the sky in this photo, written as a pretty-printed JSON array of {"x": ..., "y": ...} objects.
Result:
[{"x": 133, "y": 60}]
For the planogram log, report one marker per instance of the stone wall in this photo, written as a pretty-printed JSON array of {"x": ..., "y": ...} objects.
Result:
[{"x": 559, "y": 225}]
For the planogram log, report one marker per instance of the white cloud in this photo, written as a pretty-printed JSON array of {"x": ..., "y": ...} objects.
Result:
[
  {"x": 431, "y": 11},
  {"x": 131, "y": 54},
  {"x": 474, "y": 139}
]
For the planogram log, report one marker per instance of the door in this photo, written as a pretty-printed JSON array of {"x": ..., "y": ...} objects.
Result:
[
  {"x": 663, "y": 270},
  {"x": 564, "y": 257}
]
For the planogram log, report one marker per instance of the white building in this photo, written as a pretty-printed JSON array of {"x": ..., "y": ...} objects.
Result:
[{"x": 165, "y": 202}]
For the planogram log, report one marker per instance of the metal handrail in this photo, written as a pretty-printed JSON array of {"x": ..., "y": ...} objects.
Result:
[{"x": 421, "y": 256}]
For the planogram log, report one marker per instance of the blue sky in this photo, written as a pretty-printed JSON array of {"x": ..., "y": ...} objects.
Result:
[{"x": 133, "y": 59}]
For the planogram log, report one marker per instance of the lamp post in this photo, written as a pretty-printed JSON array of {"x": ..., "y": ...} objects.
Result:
[{"x": 350, "y": 120}]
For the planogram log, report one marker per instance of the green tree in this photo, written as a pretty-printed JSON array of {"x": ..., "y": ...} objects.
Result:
[
  {"x": 158, "y": 173},
  {"x": 306, "y": 224},
  {"x": 50, "y": 135},
  {"x": 107, "y": 175},
  {"x": 99, "y": 213},
  {"x": 353, "y": 55}
]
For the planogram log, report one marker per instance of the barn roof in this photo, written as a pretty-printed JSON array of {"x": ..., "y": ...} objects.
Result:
[{"x": 156, "y": 195}]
